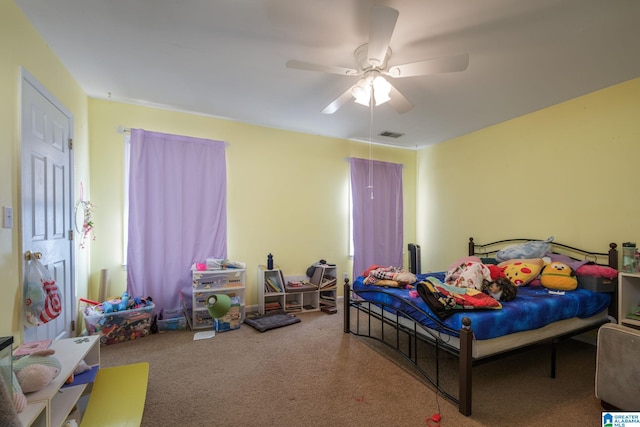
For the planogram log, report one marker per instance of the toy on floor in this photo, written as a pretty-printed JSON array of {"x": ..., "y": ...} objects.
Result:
[{"x": 434, "y": 421}]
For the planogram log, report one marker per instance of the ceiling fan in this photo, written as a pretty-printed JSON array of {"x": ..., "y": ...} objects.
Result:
[{"x": 372, "y": 64}]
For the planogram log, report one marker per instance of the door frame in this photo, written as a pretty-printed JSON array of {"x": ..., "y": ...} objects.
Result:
[{"x": 27, "y": 78}]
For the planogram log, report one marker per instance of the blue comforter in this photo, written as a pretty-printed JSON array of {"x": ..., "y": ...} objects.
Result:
[{"x": 533, "y": 308}]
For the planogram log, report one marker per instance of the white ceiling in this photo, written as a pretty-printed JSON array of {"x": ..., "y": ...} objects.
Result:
[{"x": 227, "y": 58}]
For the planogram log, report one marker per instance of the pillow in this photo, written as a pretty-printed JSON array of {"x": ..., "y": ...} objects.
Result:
[
  {"x": 532, "y": 249},
  {"x": 558, "y": 275},
  {"x": 522, "y": 271},
  {"x": 594, "y": 270},
  {"x": 271, "y": 321}
]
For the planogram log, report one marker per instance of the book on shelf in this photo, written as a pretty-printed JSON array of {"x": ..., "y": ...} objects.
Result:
[
  {"x": 328, "y": 282},
  {"x": 273, "y": 305},
  {"x": 300, "y": 286},
  {"x": 272, "y": 285},
  {"x": 295, "y": 284}
]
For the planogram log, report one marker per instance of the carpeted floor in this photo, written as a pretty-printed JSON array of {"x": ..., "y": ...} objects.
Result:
[{"x": 313, "y": 374}]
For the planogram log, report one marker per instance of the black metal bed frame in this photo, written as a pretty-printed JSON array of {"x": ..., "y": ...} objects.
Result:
[{"x": 402, "y": 324}]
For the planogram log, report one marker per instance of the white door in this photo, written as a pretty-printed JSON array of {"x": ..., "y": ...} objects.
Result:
[{"x": 47, "y": 205}]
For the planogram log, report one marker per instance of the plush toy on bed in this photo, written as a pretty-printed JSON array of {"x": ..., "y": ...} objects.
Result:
[
  {"x": 522, "y": 271},
  {"x": 558, "y": 276}
]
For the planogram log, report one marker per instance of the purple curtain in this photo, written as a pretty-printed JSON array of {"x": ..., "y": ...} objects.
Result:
[
  {"x": 376, "y": 189},
  {"x": 177, "y": 212}
]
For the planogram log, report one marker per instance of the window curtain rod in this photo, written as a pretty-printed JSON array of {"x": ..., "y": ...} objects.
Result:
[
  {"x": 348, "y": 159},
  {"x": 124, "y": 130}
]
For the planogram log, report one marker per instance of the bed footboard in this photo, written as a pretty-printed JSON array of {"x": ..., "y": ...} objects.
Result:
[{"x": 399, "y": 332}]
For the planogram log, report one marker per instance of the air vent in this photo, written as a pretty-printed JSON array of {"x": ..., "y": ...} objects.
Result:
[{"x": 390, "y": 134}]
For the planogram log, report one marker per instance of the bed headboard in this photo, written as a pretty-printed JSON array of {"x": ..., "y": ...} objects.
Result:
[{"x": 609, "y": 258}]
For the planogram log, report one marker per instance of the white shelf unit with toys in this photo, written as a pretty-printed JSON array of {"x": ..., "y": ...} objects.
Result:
[{"x": 230, "y": 281}]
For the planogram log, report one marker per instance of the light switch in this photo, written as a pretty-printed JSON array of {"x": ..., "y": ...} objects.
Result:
[{"x": 7, "y": 217}]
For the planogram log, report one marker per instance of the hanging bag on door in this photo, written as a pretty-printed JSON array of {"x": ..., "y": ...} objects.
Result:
[{"x": 42, "y": 298}]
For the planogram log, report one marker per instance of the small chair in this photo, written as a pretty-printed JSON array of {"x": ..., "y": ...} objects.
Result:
[{"x": 618, "y": 367}]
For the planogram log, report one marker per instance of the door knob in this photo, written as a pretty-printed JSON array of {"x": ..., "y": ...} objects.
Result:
[{"x": 32, "y": 255}]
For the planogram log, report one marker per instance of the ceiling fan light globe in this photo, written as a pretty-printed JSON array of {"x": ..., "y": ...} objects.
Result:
[
  {"x": 381, "y": 90},
  {"x": 380, "y": 84},
  {"x": 361, "y": 91},
  {"x": 362, "y": 101}
]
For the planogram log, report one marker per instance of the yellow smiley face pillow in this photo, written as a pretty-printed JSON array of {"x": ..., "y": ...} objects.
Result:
[{"x": 558, "y": 276}]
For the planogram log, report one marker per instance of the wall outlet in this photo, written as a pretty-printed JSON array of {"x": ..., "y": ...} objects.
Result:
[{"x": 7, "y": 216}]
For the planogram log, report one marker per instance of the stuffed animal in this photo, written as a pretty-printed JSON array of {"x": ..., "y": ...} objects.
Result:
[
  {"x": 32, "y": 373},
  {"x": 496, "y": 272},
  {"x": 558, "y": 276},
  {"x": 522, "y": 271}
]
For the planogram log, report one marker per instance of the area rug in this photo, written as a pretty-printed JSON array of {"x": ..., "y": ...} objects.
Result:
[{"x": 271, "y": 321}]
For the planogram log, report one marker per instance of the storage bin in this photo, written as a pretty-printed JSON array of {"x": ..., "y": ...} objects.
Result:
[
  {"x": 597, "y": 284},
  {"x": 212, "y": 279},
  {"x": 202, "y": 319},
  {"x": 172, "y": 324},
  {"x": 120, "y": 326},
  {"x": 170, "y": 313}
]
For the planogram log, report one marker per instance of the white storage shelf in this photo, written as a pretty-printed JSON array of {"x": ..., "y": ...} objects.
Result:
[
  {"x": 300, "y": 301},
  {"x": 231, "y": 281},
  {"x": 52, "y": 405},
  {"x": 628, "y": 298},
  {"x": 271, "y": 295},
  {"x": 325, "y": 277}
]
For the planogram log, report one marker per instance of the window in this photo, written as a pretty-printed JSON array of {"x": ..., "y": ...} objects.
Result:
[
  {"x": 377, "y": 213},
  {"x": 170, "y": 223}
]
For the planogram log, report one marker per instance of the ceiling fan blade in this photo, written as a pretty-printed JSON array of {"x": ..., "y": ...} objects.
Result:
[
  {"x": 321, "y": 68},
  {"x": 443, "y": 64},
  {"x": 383, "y": 22},
  {"x": 398, "y": 101},
  {"x": 338, "y": 102}
]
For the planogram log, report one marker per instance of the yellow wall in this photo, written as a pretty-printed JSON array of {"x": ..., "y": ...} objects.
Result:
[
  {"x": 287, "y": 191},
  {"x": 21, "y": 46},
  {"x": 569, "y": 171},
  {"x": 566, "y": 171}
]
